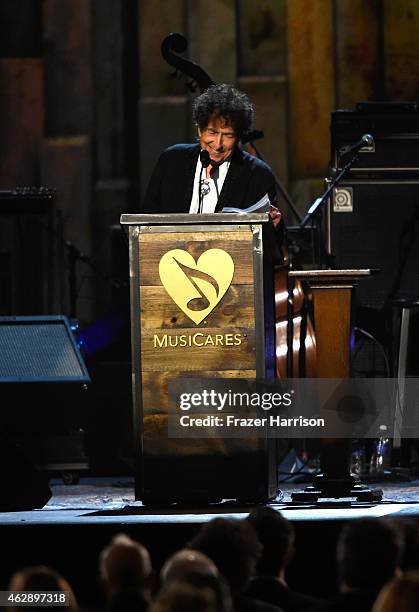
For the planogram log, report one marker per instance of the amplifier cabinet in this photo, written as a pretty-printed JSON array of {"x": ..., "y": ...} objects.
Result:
[
  {"x": 395, "y": 152},
  {"x": 375, "y": 224}
]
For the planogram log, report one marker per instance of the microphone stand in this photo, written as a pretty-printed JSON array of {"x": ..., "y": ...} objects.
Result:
[
  {"x": 333, "y": 181},
  {"x": 250, "y": 139},
  {"x": 205, "y": 160},
  {"x": 74, "y": 255},
  {"x": 200, "y": 196},
  {"x": 311, "y": 213},
  {"x": 336, "y": 480}
]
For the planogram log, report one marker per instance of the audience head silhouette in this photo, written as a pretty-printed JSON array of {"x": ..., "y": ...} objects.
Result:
[
  {"x": 185, "y": 562},
  {"x": 409, "y": 529},
  {"x": 276, "y": 534},
  {"x": 400, "y": 595},
  {"x": 369, "y": 552},
  {"x": 180, "y": 596},
  {"x": 41, "y": 578},
  {"x": 125, "y": 569},
  {"x": 233, "y": 547}
]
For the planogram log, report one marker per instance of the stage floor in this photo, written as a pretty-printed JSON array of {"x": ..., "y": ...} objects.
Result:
[
  {"x": 111, "y": 500},
  {"x": 79, "y": 521}
]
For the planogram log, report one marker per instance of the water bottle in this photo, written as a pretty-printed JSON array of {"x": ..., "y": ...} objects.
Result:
[
  {"x": 358, "y": 458},
  {"x": 380, "y": 453}
]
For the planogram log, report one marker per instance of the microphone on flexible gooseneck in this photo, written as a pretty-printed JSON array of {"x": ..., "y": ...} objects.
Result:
[{"x": 205, "y": 160}]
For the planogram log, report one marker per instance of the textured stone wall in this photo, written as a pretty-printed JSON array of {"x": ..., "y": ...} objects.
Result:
[{"x": 87, "y": 102}]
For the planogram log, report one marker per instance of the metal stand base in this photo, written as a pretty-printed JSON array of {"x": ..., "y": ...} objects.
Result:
[{"x": 337, "y": 488}]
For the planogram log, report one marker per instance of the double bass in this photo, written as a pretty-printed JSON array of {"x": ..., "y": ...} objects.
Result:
[{"x": 293, "y": 323}]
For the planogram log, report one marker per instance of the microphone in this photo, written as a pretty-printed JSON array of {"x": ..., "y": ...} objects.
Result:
[
  {"x": 205, "y": 159},
  {"x": 367, "y": 140}
]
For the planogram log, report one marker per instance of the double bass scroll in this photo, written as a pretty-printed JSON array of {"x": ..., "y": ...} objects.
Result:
[{"x": 176, "y": 43}]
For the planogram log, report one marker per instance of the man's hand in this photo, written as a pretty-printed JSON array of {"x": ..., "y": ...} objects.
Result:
[{"x": 275, "y": 216}]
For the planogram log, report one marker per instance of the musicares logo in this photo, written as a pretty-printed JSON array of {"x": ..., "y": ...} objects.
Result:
[{"x": 196, "y": 287}]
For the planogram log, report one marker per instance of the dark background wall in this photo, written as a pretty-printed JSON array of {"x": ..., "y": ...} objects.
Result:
[{"x": 87, "y": 102}]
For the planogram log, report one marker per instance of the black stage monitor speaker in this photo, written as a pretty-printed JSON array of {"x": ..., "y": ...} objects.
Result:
[
  {"x": 23, "y": 487},
  {"x": 41, "y": 369},
  {"x": 39, "y": 350},
  {"x": 375, "y": 224}
]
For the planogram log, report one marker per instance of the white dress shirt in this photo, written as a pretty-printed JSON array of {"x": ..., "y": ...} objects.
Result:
[{"x": 212, "y": 185}]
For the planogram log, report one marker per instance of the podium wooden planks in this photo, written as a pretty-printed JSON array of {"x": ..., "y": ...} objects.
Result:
[{"x": 202, "y": 305}]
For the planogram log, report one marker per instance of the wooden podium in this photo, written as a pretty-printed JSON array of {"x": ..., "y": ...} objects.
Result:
[{"x": 202, "y": 305}]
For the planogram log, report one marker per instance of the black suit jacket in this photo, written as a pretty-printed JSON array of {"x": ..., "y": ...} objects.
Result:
[
  {"x": 268, "y": 589},
  {"x": 359, "y": 601},
  {"x": 244, "y": 603},
  {"x": 171, "y": 184}
]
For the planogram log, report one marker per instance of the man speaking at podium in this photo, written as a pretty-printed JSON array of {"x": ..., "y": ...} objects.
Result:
[{"x": 216, "y": 172}]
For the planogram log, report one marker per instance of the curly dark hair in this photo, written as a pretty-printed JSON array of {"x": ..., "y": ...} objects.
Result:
[{"x": 227, "y": 102}]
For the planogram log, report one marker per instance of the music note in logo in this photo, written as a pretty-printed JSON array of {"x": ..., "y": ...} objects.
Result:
[
  {"x": 202, "y": 302},
  {"x": 196, "y": 287}
]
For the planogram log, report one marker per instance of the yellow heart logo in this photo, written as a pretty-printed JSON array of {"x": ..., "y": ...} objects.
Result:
[{"x": 196, "y": 287}]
